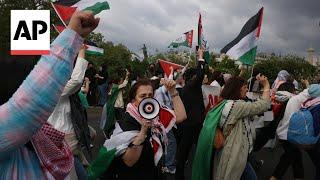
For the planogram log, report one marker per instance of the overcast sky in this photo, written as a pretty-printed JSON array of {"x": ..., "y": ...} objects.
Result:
[{"x": 289, "y": 26}]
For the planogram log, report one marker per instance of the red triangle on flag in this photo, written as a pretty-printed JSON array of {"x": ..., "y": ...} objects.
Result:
[
  {"x": 59, "y": 28},
  {"x": 189, "y": 38},
  {"x": 64, "y": 12},
  {"x": 166, "y": 66},
  {"x": 165, "y": 117}
]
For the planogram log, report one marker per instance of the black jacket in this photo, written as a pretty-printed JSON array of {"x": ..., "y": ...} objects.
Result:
[{"x": 192, "y": 97}]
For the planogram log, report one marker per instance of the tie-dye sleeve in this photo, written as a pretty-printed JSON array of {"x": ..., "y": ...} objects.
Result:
[{"x": 33, "y": 102}]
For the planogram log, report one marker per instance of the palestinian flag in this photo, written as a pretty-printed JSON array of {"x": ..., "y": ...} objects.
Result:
[
  {"x": 202, "y": 43},
  {"x": 165, "y": 65},
  {"x": 185, "y": 40},
  {"x": 91, "y": 47},
  {"x": 58, "y": 28},
  {"x": 244, "y": 47},
  {"x": 121, "y": 139},
  {"x": 65, "y": 8},
  {"x": 202, "y": 162}
]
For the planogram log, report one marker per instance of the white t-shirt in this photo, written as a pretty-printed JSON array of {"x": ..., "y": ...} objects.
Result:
[{"x": 293, "y": 105}]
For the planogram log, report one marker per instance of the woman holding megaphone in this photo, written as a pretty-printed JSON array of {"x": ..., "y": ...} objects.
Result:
[{"x": 139, "y": 139}]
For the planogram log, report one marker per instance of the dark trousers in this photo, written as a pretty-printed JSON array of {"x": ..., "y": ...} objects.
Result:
[
  {"x": 292, "y": 156},
  {"x": 91, "y": 96},
  {"x": 268, "y": 132},
  {"x": 80, "y": 170},
  {"x": 190, "y": 134},
  {"x": 314, "y": 154}
]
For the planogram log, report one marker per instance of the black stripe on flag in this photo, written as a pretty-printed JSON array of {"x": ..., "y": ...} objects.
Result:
[
  {"x": 250, "y": 26},
  {"x": 66, "y": 2}
]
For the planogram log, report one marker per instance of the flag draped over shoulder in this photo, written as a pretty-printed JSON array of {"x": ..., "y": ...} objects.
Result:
[
  {"x": 201, "y": 167},
  {"x": 120, "y": 140},
  {"x": 244, "y": 47},
  {"x": 65, "y": 8},
  {"x": 91, "y": 47},
  {"x": 185, "y": 40}
]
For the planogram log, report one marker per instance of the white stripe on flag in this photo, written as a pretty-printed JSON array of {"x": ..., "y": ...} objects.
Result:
[
  {"x": 86, "y": 3},
  {"x": 244, "y": 45},
  {"x": 95, "y": 49},
  {"x": 120, "y": 140}
]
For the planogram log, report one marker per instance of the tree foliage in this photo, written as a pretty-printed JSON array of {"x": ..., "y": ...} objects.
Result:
[{"x": 295, "y": 65}]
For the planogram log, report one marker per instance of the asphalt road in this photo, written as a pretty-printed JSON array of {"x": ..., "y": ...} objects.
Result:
[{"x": 269, "y": 156}]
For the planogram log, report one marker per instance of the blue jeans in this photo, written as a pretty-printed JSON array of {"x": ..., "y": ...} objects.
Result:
[
  {"x": 102, "y": 94},
  {"x": 80, "y": 170},
  {"x": 249, "y": 173},
  {"x": 171, "y": 151}
]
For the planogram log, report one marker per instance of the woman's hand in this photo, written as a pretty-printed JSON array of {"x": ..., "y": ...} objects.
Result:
[
  {"x": 200, "y": 53},
  {"x": 170, "y": 85},
  {"x": 145, "y": 126},
  {"x": 87, "y": 80},
  {"x": 266, "y": 86},
  {"x": 263, "y": 81},
  {"x": 143, "y": 132}
]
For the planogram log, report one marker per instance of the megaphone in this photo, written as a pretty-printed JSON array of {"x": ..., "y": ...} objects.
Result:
[{"x": 149, "y": 108}]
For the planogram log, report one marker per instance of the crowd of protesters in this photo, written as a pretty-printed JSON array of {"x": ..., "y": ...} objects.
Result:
[{"x": 44, "y": 131}]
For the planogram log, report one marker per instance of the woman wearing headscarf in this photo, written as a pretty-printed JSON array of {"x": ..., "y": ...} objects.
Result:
[{"x": 136, "y": 145}]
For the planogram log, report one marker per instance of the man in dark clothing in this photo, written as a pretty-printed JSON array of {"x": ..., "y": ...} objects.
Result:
[
  {"x": 193, "y": 102},
  {"x": 102, "y": 78},
  {"x": 90, "y": 73}
]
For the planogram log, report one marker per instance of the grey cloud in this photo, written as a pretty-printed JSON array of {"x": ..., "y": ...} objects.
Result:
[{"x": 290, "y": 26}]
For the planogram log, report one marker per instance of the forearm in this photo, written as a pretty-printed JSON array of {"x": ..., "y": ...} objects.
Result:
[
  {"x": 124, "y": 84},
  {"x": 77, "y": 77},
  {"x": 36, "y": 98},
  {"x": 266, "y": 93},
  {"x": 199, "y": 74},
  {"x": 179, "y": 109},
  {"x": 133, "y": 153}
]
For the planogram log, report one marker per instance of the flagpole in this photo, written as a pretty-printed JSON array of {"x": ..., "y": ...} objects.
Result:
[
  {"x": 251, "y": 76},
  {"x": 58, "y": 14}
]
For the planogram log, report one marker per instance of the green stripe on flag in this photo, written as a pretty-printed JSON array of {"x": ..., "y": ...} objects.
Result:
[
  {"x": 177, "y": 44},
  {"x": 201, "y": 166},
  {"x": 94, "y": 53},
  {"x": 101, "y": 163},
  {"x": 98, "y": 7},
  {"x": 249, "y": 57}
]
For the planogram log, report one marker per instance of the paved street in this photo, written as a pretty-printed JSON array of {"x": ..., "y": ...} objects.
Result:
[{"x": 269, "y": 156}]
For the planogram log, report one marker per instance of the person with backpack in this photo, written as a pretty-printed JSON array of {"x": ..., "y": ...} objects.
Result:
[
  {"x": 281, "y": 98},
  {"x": 292, "y": 155}
]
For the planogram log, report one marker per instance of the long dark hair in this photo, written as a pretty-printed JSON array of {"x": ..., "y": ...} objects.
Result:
[
  {"x": 134, "y": 88},
  {"x": 232, "y": 88}
]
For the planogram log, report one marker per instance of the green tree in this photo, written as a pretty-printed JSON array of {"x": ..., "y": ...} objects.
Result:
[
  {"x": 228, "y": 66},
  {"x": 295, "y": 65}
]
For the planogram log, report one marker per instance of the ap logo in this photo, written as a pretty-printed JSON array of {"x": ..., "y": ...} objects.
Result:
[{"x": 30, "y": 32}]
